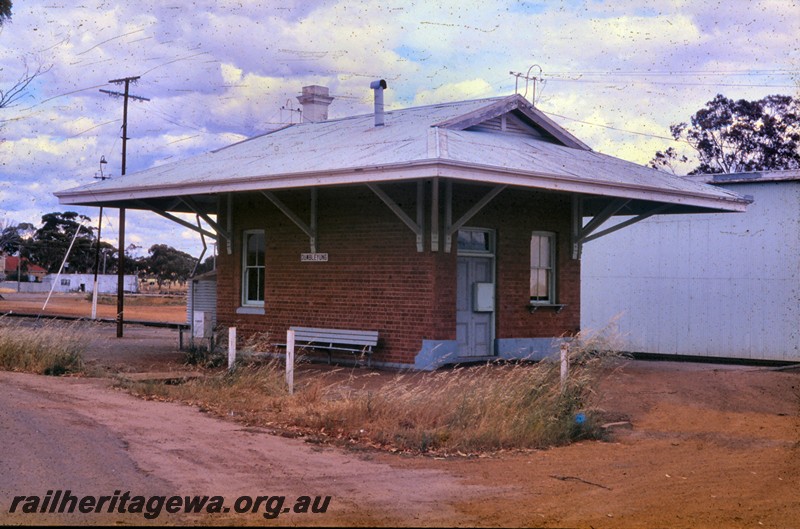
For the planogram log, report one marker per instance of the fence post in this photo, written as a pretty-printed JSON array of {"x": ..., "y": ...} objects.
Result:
[
  {"x": 290, "y": 361},
  {"x": 564, "y": 363},
  {"x": 231, "y": 347}
]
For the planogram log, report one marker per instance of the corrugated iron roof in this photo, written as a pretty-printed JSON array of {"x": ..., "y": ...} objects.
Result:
[
  {"x": 411, "y": 145},
  {"x": 786, "y": 175}
]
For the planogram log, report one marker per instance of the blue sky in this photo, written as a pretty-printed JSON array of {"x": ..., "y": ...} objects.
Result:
[{"x": 615, "y": 74}]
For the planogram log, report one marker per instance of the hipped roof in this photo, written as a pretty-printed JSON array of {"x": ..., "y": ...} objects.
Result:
[{"x": 495, "y": 141}]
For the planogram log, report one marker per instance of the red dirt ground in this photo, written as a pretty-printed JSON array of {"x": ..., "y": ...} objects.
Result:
[{"x": 706, "y": 446}]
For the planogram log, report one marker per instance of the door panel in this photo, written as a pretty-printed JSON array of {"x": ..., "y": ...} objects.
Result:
[{"x": 474, "y": 330}]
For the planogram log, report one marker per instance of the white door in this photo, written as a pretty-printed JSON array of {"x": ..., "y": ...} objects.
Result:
[{"x": 475, "y": 294}]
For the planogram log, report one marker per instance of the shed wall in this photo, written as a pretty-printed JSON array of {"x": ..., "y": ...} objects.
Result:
[{"x": 720, "y": 285}]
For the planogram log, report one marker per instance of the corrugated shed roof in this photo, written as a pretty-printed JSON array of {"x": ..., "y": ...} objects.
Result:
[
  {"x": 787, "y": 175},
  {"x": 411, "y": 145}
]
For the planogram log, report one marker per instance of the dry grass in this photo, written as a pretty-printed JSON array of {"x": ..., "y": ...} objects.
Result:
[
  {"x": 461, "y": 410},
  {"x": 46, "y": 348}
]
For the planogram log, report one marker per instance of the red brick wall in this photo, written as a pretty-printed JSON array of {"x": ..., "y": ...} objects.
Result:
[
  {"x": 376, "y": 280},
  {"x": 515, "y": 215}
]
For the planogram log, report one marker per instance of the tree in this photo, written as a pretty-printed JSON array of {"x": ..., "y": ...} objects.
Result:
[
  {"x": 12, "y": 236},
  {"x": 51, "y": 241},
  {"x": 167, "y": 263},
  {"x": 5, "y": 11},
  {"x": 206, "y": 266},
  {"x": 736, "y": 136},
  {"x": 17, "y": 91}
]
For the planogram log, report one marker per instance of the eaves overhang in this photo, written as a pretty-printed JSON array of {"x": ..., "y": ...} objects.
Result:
[{"x": 702, "y": 197}]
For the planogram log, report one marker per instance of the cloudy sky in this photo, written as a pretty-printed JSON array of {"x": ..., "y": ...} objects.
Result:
[{"x": 615, "y": 74}]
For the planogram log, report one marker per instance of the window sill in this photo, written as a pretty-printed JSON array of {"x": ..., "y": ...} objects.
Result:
[
  {"x": 250, "y": 310},
  {"x": 533, "y": 307}
]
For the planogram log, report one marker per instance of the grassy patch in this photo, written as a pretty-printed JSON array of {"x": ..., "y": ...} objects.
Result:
[
  {"x": 461, "y": 410},
  {"x": 45, "y": 348}
]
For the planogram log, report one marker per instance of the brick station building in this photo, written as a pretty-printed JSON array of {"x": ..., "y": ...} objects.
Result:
[{"x": 454, "y": 230}]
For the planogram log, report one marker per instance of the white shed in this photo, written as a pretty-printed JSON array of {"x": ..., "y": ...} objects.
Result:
[
  {"x": 714, "y": 285},
  {"x": 106, "y": 283},
  {"x": 201, "y": 305}
]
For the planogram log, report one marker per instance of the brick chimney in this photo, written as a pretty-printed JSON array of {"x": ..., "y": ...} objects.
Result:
[{"x": 315, "y": 101}]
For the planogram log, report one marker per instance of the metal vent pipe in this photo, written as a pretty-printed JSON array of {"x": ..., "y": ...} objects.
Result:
[{"x": 378, "y": 87}]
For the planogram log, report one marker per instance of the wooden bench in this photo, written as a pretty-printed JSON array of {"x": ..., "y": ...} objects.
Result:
[{"x": 351, "y": 341}]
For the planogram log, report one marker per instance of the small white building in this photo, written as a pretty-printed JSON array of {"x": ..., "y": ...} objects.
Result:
[
  {"x": 106, "y": 283},
  {"x": 201, "y": 305},
  {"x": 714, "y": 285}
]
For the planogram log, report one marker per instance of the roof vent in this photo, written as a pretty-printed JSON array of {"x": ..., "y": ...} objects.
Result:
[
  {"x": 378, "y": 87},
  {"x": 315, "y": 101}
]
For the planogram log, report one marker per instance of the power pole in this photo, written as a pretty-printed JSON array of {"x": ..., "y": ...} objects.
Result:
[
  {"x": 121, "y": 263},
  {"x": 95, "y": 292}
]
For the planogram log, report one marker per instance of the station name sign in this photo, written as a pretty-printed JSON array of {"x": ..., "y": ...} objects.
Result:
[{"x": 313, "y": 257}]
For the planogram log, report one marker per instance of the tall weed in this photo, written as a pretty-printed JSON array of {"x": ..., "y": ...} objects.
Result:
[
  {"x": 465, "y": 409},
  {"x": 46, "y": 348}
]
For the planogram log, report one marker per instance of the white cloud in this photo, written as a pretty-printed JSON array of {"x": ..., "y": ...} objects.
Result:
[{"x": 218, "y": 71}]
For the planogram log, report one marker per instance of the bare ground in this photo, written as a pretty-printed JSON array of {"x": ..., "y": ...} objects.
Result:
[{"x": 706, "y": 446}]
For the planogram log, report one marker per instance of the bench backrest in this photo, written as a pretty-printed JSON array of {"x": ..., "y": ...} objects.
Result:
[{"x": 340, "y": 336}]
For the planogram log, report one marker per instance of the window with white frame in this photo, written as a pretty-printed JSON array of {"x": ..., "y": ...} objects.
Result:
[
  {"x": 253, "y": 271},
  {"x": 543, "y": 259}
]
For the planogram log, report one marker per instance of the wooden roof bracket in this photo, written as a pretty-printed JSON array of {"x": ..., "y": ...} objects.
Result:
[
  {"x": 580, "y": 231},
  {"x": 418, "y": 226},
  {"x": 655, "y": 211},
  {"x": 581, "y": 234},
  {"x": 309, "y": 229},
  {"x": 452, "y": 227},
  {"x": 173, "y": 218},
  {"x": 191, "y": 204}
]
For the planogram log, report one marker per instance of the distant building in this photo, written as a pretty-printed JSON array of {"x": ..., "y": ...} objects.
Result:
[
  {"x": 10, "y": 266},
  {"x": 106, "y": 283}
]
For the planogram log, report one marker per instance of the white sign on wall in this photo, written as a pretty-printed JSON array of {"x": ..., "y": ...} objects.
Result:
[{"x": 314, "y": 257}]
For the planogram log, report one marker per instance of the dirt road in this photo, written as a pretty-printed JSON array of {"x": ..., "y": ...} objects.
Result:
[
  {"x": 709, "y": 447},
  {"x": 87, "y": 438},
  {"x": 77, "y": 305},
  {"x": 706, "y": 446}
]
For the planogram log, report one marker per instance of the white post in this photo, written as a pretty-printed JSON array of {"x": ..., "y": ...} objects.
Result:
[
  {"x": 290, "y": 361},
  {"x": 564, "y": 363},
  {"x": 94, "y": 300},
  {"x": 231, "y": 347}
]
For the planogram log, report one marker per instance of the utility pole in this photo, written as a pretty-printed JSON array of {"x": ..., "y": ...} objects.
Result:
[
  {"x": 95, "y": 292},
  {"x": 121, "y": 263}
]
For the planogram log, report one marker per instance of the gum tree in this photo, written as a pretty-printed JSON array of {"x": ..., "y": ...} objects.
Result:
[{"x": 736, "y": 136}]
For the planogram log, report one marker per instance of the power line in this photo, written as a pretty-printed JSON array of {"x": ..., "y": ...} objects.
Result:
[
  {"x": 613, "y": 128},
  {"x": 733, "y": 85}
]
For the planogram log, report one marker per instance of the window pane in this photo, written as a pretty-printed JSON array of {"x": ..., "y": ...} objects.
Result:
[
  {"x": 540, "y": 284},
  {"x": 542, "y": 264},
  {"x": 253, "y": 272},
  {"x": 474, "y": 241},
  {"x": 255, "y": 284},
  {"x": 536, "y": 242},
  {"x": 544, "y": 252},
  {"x": 255, "y": 249}
]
